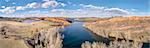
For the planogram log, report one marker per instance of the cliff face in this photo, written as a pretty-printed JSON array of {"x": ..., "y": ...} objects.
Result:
[
  {"x": 24, "y": 35},
  {"x": 46, "y": 39}
]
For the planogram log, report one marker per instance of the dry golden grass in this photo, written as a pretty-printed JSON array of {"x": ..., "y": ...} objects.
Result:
[
  {"x": 114, "y": 44},
  {"x": 130, "y": 28},
  {"x": 59, "y": 20},
  {"x": 23, "y": 29},
  {"x": 10, "y": 43},
  {"x": 124, "y": 19},
  {"x": 33, "y": 35}
]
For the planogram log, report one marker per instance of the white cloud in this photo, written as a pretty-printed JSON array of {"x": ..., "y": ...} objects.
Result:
[
  {"x": 20, "y": 8},
  {"x": 13, "y": 3},
  {"x": 33, "y": 5},
  {"x": 65, "y": 12},
  {"x": 57, "y": 10},
  {"x": 35, "y": 11},
  {"x": 48, "y": 0},
  {"x": 106, "y": 11},
  {"x": 91, "y": 6},
  {"x": 91, "y": 10},
  {"x": 2, "y": 6},
  {"x": 117, "y": 11},
  {"x": 49, "y": 4},
  {"x": 62, "y": 4},
  {"x": 26, "y": 15},
  {"x": 85, "y": 10},
  {"x": 8, "y": 10}
]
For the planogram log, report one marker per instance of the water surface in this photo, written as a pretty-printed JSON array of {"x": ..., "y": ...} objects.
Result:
[{"x": 75, "y": 35}]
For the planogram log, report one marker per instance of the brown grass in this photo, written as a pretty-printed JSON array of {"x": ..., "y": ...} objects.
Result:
[
  {"x": 114, "y": 44},
  {"x": 59, "y": 20},
  {"x": 130, "y": 28},
  {"x": 10, "y": 43},
  {"x": 23, "y": 35}
]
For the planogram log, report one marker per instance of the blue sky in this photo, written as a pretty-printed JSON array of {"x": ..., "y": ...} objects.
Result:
[{"x": 74, "y": 8}]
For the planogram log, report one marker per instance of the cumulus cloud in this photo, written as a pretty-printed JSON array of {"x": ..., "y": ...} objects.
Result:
[
  {"x": 2, "y": 6},
  {"x": 57, "y": 10},
  {"x": 111, "y": 11},
  {"x": 47, "y": 0},
  {"x": 117, "y": 11},
  {"x": 65, "y": 12},
  {"x": 33, "y": 5},
  {"x": 49, "y": 4},
  {"x": 91, "y": 6},
  {"x": 85, "y": 10},
  {"x": 8, "y": 10},
  {"x": 20, "y": 8},
  {"x": 62, "y": 4},
  {"x": 91, "y": 10}
]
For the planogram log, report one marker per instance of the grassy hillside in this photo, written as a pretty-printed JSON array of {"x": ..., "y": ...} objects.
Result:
[
  {"x": 29, "y": 35},
  {"x": 132, "y": 30}
]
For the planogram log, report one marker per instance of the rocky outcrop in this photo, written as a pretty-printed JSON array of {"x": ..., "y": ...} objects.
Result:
[
  {"x": 23, "y": 35},
  {"x": 47, "y": 39}
]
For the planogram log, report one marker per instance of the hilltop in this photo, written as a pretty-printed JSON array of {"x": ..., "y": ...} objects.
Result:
[
  {"x": 128, "y": 32},
  {"x": 31, "y": 32}
]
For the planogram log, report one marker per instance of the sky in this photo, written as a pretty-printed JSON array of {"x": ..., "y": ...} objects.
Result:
[{"x": 74, "y": 8}]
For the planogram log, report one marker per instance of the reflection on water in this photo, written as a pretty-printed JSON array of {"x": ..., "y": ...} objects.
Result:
[
  {"x": 75, "y": 35},
  {"x": 146, "y": 45}
]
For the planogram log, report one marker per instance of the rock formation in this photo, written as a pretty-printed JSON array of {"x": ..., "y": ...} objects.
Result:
[{"x": 24, "y": 35}]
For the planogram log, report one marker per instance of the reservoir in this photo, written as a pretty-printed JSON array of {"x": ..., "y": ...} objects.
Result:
[{"x": 75, "y": 35}]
